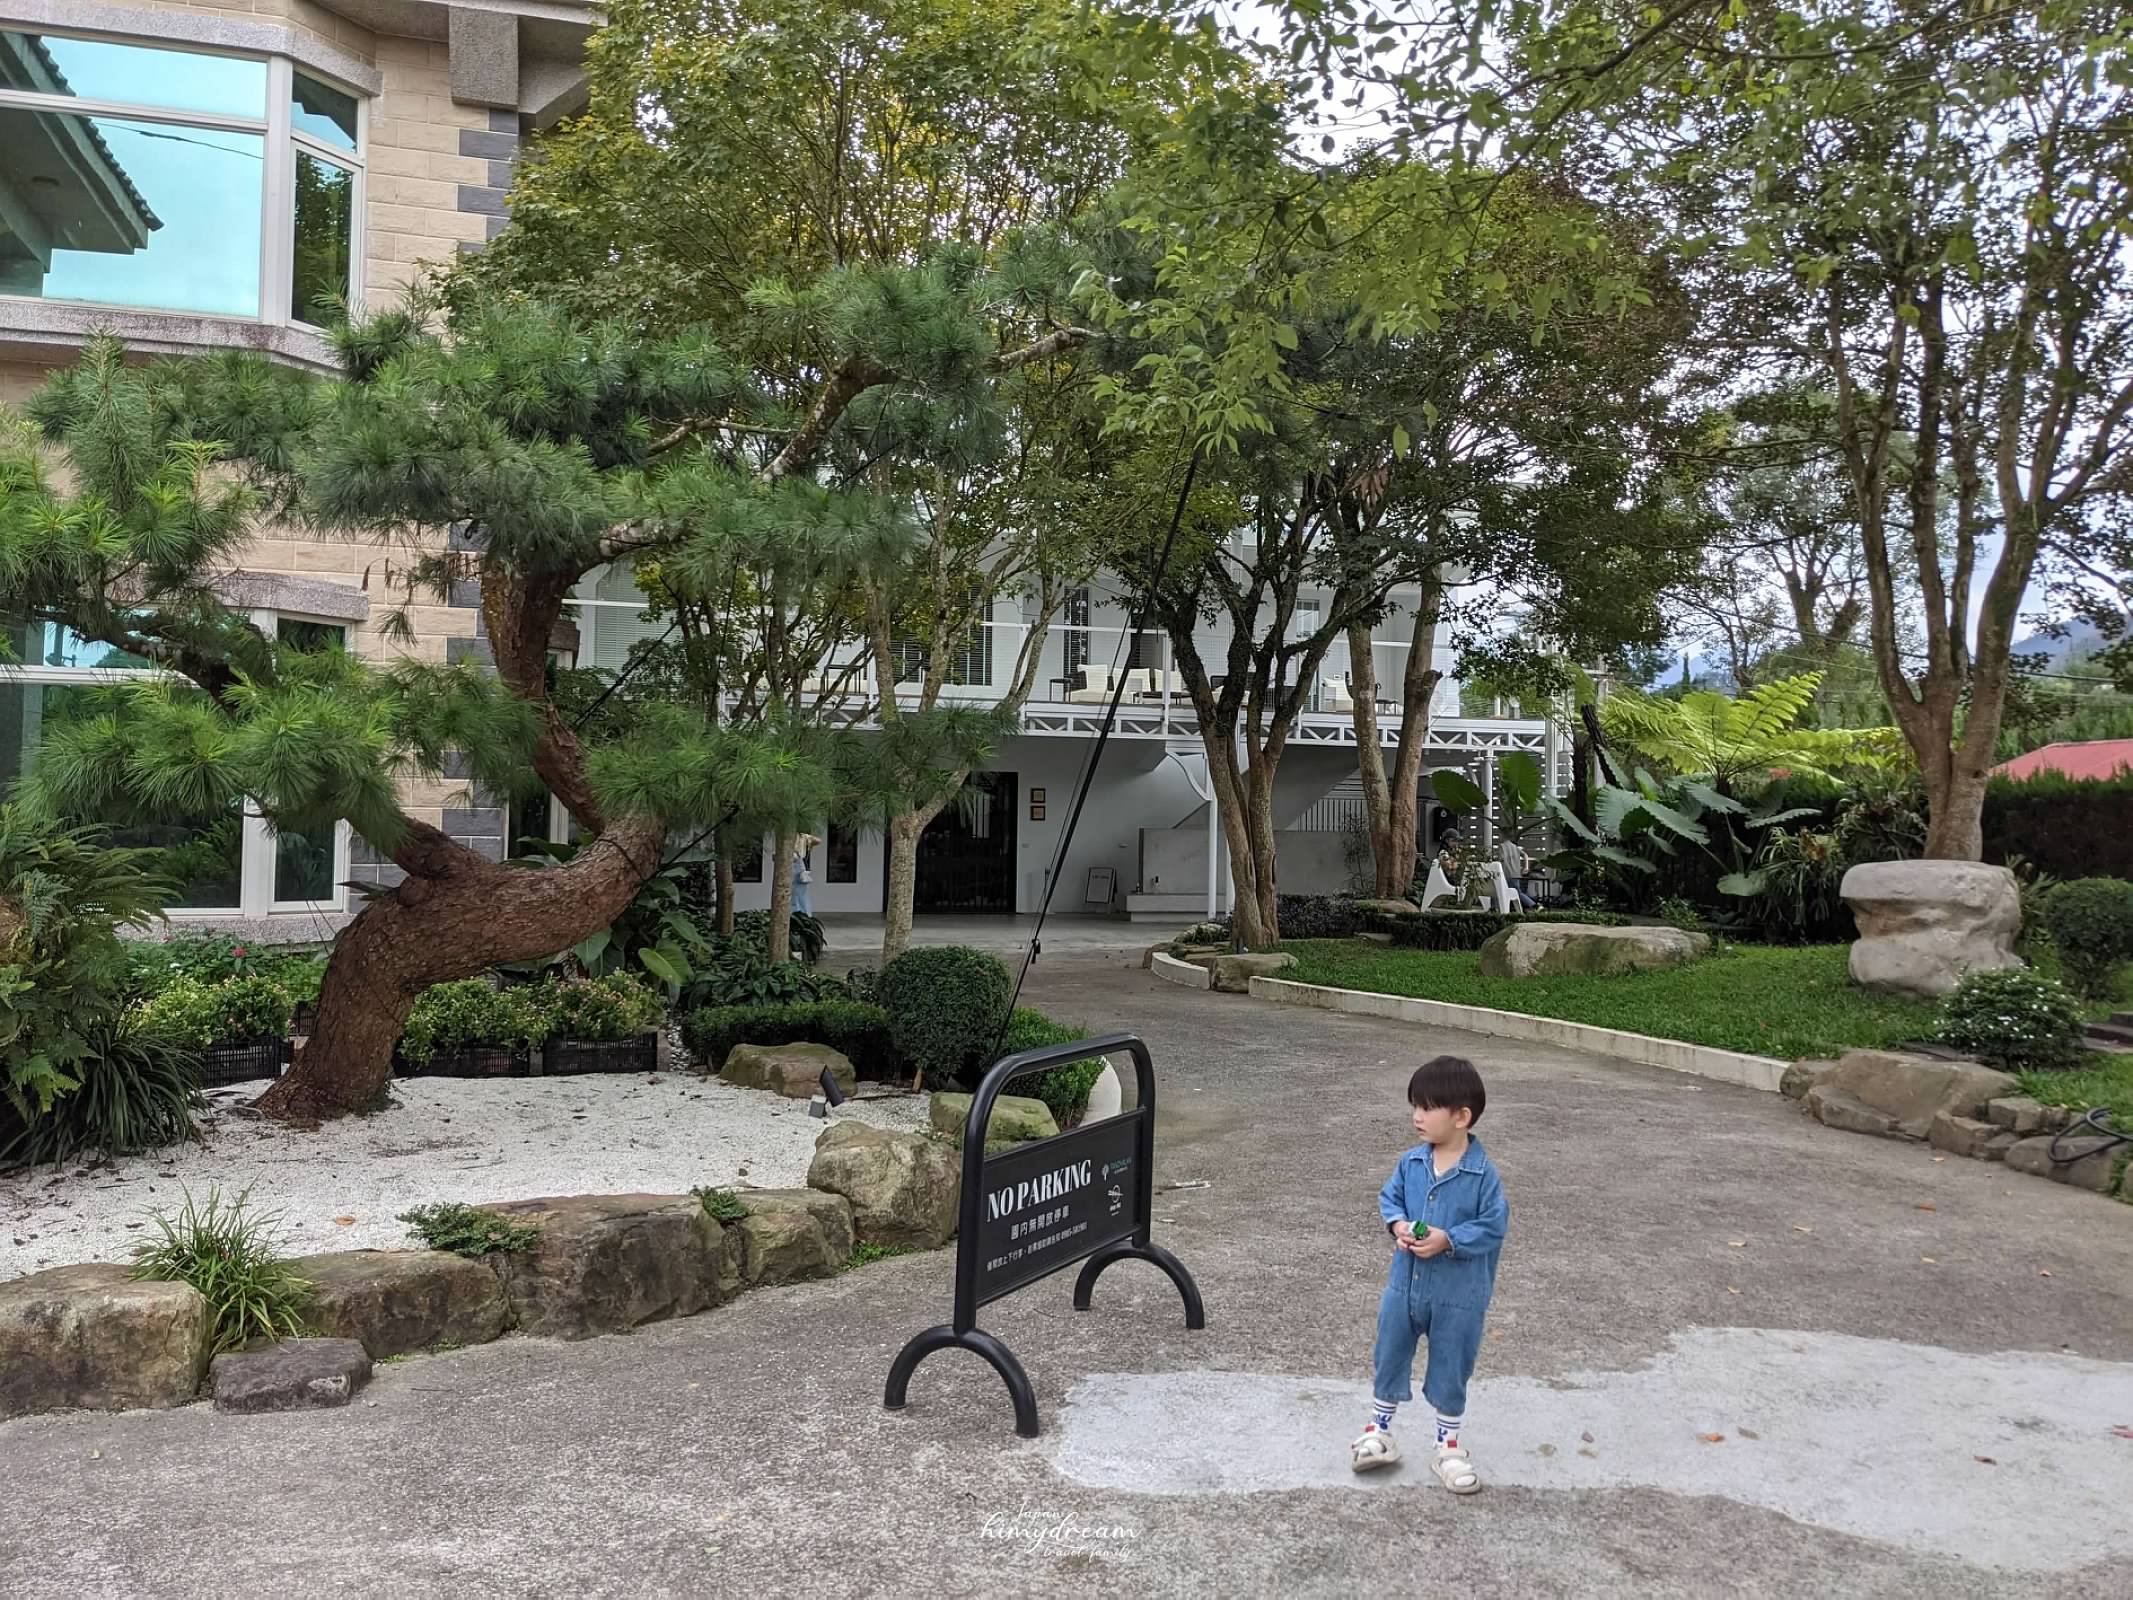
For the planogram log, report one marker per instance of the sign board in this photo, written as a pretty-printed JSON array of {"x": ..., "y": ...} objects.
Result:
[
  {"x": 1026, "y": 1212},
  {"x": 1046, "y": 1205}
]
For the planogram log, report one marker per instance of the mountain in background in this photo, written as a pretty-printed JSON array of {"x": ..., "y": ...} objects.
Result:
[{"x": 2080, "y": 638}]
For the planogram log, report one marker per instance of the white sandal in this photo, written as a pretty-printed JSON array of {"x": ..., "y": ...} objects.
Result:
[
  {"x": 1375, "y": 1448},
  {"x": 1454, "y": 1471}
]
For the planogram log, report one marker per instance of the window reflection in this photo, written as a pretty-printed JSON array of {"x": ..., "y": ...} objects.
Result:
[
  {"x": 324, "y": 112},
  {"x": 325, "y": 217},
  {"x": 133, "y": 74},
  {"x": 130, "y": 213}
]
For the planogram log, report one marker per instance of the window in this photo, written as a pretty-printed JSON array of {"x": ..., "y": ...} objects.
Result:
[
  {"x": 841, "y": 846},
  {"x": 1075, "y": 616},
  {"x": 228, "y": 861},
  {"x": 175, "y": 180}
]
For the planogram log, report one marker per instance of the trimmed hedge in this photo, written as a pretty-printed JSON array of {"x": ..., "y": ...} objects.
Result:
[
  {"x": 2068, "y": 827},
  {"x": 946, "y": 1005},
  {"x": 1470, "y": 930},
  {"x": 859, "y": 1032}
]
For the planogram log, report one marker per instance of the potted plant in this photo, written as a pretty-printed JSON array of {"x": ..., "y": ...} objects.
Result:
[
  {"x": 240, "y": 1026},
  {"x": 471, "y": 1029},
  {"x": 607, "y": 1024}
]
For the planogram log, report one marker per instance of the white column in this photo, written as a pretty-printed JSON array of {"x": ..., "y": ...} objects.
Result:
[
  {"x": 1214, "y": 838},
  {"x": 1488, "y": 800}
]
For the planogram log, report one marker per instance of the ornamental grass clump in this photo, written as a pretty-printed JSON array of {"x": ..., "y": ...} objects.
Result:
[{"x": 232, "y": 1258}]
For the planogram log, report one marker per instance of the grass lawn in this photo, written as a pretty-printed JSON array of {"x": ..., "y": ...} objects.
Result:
[
  {"x": 1789, "y": 1002},
  {"x": 2107, "y": 1082}
]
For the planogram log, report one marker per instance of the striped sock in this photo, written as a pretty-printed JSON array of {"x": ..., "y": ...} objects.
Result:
[
  {"x": 1381, "y": 1414},
  {"x": 1448, "y": 1429}
]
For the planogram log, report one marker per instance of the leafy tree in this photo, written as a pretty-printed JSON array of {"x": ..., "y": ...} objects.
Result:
[{"x": 1727, "y": 742}]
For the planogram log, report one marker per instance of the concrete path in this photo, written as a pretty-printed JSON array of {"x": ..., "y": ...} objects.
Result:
[{"x": 1733, "y": 1353}]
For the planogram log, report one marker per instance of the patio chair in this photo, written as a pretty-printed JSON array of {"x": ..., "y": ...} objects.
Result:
[
  {"x": 1096, "y": 686},
  {"x": 1334, "y": 696}
]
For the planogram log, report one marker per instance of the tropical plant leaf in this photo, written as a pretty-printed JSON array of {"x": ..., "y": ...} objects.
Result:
[
  {"x": 1559, "y": 812},
  {"x": 1456, "y": 792},
  {"x": 590, "y": 949},
  {"x": 1622, "y": 858},
  {"x": 662, "y": 967},
  {"x": 1743, "y": 885},
  {"x": 1773, "y": 818},
  {"x": 1710, "y": 799},
  {"x": 1520, "y": 775}
]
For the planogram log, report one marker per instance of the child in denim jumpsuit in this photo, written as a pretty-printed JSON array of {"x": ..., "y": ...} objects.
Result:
[{"x": 1445, "y": 1209}]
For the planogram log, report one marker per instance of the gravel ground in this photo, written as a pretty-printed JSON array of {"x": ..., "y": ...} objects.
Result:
[{"x": 447, "y": 1139}]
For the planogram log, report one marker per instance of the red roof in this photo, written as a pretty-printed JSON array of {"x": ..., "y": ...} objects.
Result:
[{"x": 2094, "y": 758}]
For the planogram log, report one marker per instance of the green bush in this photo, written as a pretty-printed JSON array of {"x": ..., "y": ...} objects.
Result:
[
  {"x": 2068, "y": 827},
  {"x": 152, "y": 965},
  {"x": 721, "y": 1205},
  {"x": 234, "y": 1011},
  {"x": 806, "y": 934},
  {"x": 1470, "y": 930},
  {"x": 139, "y": 1088},
  {"x": 1317, "y": 916},
  {"x": 1064, "y": 1089},
  {"x": 2090, "y": 923},
  {"x": 474, "y": 1014},
  {"x": 465, "y": 1230},
  {"x": 859, "y": 1032},
  {"x": 946, "y": 1005},
  {"x": 2014, "y": 1019},
  {"x": 617, "y": 1006},
  {"x": 231, "y": 1258},
  {"x": 734, "y": 971}
]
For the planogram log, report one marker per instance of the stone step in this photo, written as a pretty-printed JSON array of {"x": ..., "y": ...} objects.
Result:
[{"x": 2110, "y": 1035}]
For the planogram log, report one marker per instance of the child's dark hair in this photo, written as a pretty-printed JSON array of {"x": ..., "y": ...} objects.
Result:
[{"x": 1447, "y": 1083}]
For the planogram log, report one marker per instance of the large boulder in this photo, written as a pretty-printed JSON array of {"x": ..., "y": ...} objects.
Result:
[
  {"x": 1389, "y": 908},
  {"x": 1923, "y": 924},
  {"x": 393, "y": 1302},
  {"x": 792, "y": 1233},
  {"x": 1547, "y": 949},
  {"x": 293, "y": 1375},
  {"x": 904, "y": 1187},
  {"x": 91, "y": 1336},
  {"x": 794, "y": 1070},
  {"x": 1898, "y": 1096},
  {"x": 1015, "y": 1119},
  {"x": 1233, "y": 974},
  {"x": 604, "y": 1263}
]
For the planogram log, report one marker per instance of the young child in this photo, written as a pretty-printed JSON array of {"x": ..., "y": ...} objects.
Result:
[{"x": 1445, "y": 1209}]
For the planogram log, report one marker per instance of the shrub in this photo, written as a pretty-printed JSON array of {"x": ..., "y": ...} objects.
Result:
[
  {"x": 614, "y": 1007},
  {"x": 946, "y": 1005},
  {"x": 64, "y": 894},
  {"x": 1470, "y": 930},
  {"x": 139, "y": 1088},
  {"x": 231, "y": 1259},
  {"x": 862, "y": 984},
  {"x": 2090, "y": 923},
  {"x": 1317, "y": 916},
  {"x": 1682, "y": 914},
  {"x": 233, "y": 1012},
  {"x": 806, "y": 934},
  {"x": 721, "y": 1205},
  {"x": 465, "y": 1230},
  {"x": 2070, "y": 827},
  {"x": 859, "y": 1032},
  {"x": 1064, "y": 1089},
  {"x": 2013, "y": 1018},
  {"x": 472, "y": 1013},
  {"x": 152, "y": 965},
  {"x": 735, "y": 972}
]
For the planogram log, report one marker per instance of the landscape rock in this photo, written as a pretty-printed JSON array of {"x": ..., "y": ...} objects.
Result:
[
  {"x": 293, "y": 1375},
  {"x": 605, "y": 1263},
  {"x": 1886, "y": 1092},
  {"x": 1390, "y": 908},
  {"x": 794, "y": 1070},
  {"x": 1798, "y": 1078},
  {"x": 91, "y": 1336},
  {"x": 1961, "y": 1136},
  {"x": 2092, "y": 1161},
  {"x": 904, "y": 1187},
  {"x": 1546, "y": 949},
  {"x": 1999, "y": 1144},
  {"x": 393, "y": 1302},
  {"x": 791, "y": 1234},
  {"x": 1015, "y": 1119},
  {"x": 1233, "y": 974},
  {"x": 1923, "y": 924},
  {"x": 2017, "y": 1113}
]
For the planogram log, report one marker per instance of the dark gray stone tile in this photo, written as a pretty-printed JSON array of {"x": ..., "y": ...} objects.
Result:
[
  {"x": 481, "y": 199},
  {"x": 495, "y": 145}
]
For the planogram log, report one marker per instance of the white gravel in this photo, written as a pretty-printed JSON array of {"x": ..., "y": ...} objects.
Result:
[{"x": 473, "y": 1139}]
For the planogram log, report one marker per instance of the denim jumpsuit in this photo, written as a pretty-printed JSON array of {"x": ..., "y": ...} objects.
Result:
[{"x": 1446, "y": 1298}]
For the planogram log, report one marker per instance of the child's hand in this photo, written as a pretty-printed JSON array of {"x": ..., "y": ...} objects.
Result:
[
  {"x": 1403, "y": 1234},
  {"x": 1433, "y": 1243}
]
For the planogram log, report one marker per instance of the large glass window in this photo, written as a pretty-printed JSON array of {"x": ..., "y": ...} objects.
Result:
[{"x": 179, "y": 184}]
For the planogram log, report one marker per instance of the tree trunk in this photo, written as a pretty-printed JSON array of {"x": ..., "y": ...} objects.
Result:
[
  {"x": 723, "y": 868},
  {"x": 1370, "y": 763},
  {"x": 781, "y": 897},
  {"x": 456, "y": 915},
  {"x": 903, "y": 835}
]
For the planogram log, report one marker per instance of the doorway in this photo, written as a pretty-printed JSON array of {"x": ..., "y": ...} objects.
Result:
[{"x": 966, "y": 856}]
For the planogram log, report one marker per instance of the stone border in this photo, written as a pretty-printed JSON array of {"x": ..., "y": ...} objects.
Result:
[
  {"x": 1674, "y": 1055},
  {"x": 1182, "y": 973}
]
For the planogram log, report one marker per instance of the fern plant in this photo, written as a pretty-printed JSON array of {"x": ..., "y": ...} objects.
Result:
[{"x": 1725, "y": 739}]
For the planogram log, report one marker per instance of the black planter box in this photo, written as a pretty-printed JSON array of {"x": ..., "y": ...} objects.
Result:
[
  {"x": 638, "y": 1054},
  {"x": 477, "y": 1063},
  {"x": 243, "y": 1063}
]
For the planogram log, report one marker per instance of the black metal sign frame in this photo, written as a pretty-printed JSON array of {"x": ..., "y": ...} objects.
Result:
[{"x": 1105, "y": 1175}]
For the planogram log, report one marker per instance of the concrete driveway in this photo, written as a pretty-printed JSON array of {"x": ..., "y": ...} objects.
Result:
[{"x": 1733, "y": 1353}]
